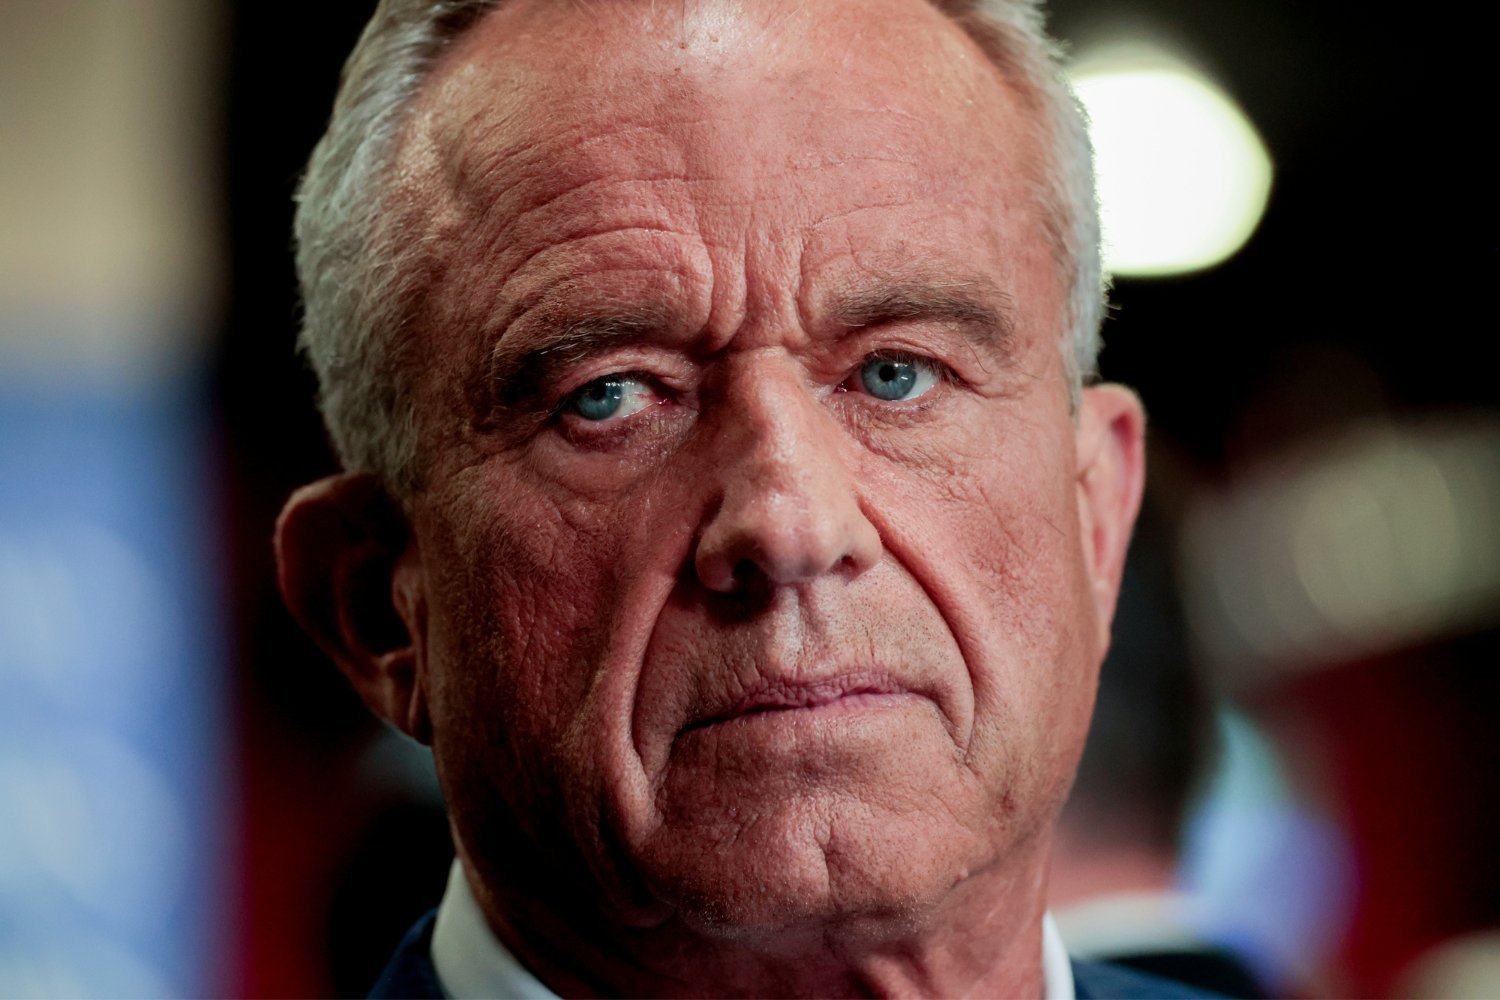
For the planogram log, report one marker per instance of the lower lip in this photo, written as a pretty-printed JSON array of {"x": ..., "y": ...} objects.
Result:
[
  {"x": 858, "y": 703},
  {"x": 842, "y": 739},
  {"x": 852, "y": 745}
]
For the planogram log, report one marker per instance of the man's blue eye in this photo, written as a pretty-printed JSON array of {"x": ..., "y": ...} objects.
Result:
[
  {"x": 599, "y": 400},
  {"x": 894, "y": 379},
  {"x": 609, "y": 398}
]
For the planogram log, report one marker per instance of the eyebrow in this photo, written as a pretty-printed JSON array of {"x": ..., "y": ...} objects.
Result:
[
  {"x": 980, "y": 310},
  {"x": 523, "y": 364}
]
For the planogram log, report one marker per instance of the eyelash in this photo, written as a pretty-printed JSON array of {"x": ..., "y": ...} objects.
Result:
[{"x": 942, "y": 372}]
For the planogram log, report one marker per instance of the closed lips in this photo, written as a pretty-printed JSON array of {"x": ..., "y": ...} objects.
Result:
[{"x": 850, "y": 691}]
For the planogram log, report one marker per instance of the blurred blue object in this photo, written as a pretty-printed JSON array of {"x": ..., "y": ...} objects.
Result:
[
  {"x": 1269, "y": 876},
  {"x": 113, "y": 790}
]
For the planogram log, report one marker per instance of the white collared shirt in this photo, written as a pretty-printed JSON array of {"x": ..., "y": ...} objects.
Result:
[{"x": 471, "y": 961}]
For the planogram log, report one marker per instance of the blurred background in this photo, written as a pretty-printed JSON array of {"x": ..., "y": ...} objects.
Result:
[{"x": 1293, "y": 775}]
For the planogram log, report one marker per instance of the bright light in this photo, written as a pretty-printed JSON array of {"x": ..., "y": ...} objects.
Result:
[{"x": 1183, "y": 177}]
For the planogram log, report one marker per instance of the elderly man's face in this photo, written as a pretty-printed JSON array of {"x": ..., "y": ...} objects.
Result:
[{"x": 756, "y": 575}]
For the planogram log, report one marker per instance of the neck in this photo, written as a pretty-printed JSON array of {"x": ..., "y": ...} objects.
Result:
[{"x": 983, "y": 939}]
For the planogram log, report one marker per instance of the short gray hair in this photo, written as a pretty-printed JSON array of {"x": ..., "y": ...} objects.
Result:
[{"x": 360, "y": 269}]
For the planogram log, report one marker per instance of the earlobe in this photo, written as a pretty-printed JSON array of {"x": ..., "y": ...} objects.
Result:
[
  {"x": 351, "y": 575},
  {"x": 1111, "y": 478}
]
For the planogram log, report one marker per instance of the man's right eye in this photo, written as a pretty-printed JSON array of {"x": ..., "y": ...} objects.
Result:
[{"x": 612, "y": 397}]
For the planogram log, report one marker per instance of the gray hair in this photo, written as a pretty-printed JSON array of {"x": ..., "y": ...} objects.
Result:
[{"x": 360, "y": 269}]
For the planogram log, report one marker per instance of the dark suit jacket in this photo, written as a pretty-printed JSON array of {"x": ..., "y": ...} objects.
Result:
[{"x": 410, "y": 974}]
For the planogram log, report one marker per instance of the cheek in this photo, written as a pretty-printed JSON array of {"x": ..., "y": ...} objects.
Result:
[
  {"x": 522, "y": 586},
  {"x": 542, "y": 604},
  {"x": 991, "y": 534},
  {"x": 990, "y": 514}
]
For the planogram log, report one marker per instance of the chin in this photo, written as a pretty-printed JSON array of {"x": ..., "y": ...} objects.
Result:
[{"x": 812, "y": 875}]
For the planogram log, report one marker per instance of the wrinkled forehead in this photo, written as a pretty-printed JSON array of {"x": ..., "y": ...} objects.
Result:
[{"x": 565, "y": 80}]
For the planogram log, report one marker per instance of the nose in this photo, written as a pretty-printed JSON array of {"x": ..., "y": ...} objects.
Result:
[{"x": 789, "y": 509}]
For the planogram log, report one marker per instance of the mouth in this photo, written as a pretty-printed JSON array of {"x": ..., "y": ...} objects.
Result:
[{"x": 824, "y": 696}]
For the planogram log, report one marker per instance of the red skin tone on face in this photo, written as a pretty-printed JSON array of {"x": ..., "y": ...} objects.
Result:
[{"x": 763, "y": 684}]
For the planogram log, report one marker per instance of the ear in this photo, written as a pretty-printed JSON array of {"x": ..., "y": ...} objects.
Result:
[
  {"x": 351, "y": 574},
  {"x": 1111, "y": 475}
]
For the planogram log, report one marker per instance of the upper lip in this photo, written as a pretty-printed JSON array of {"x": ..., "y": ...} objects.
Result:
[{"x": 773, "y": 696}]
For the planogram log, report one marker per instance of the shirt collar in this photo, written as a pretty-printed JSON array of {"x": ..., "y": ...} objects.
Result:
[
  {"x": 1057, "y": 970},
  {"x": 471, "y": 961}
]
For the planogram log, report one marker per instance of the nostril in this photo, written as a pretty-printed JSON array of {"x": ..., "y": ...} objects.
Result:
[{"x": 743, "y": 570}]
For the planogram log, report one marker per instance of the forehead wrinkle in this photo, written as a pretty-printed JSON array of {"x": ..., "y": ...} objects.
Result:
[
  {"x": 545, "y": 285},
  {"x": 564, "y": 226},
  {"x": 545, "y": 269},
  {"x": 541, "y": 194},
  {"x": 505, "y": 242},
  {"x": 521, "y": 122},
  {"x": 532, "y": 174},
  {"x": 483, "y": 141},
  {"x": 504, "y": 141}
]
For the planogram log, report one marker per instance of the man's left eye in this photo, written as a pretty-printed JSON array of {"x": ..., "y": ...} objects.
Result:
[
  {"x": 897, "y": 378},
  {"x": 612, "y": 397}
]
